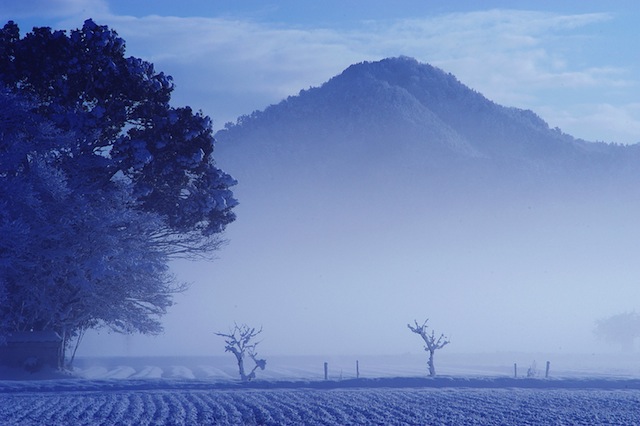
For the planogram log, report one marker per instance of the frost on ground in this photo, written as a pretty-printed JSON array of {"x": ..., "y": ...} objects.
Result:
[
  {"x": 361, "y": 406},
  {"x": 207, "y": 391}
]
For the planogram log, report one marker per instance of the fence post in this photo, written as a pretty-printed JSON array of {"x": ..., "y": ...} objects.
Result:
[
  {"x": 357, "y": 369},
  {"x": 515, "y": 370},
  {"x": 546, "y": 373},
  {"x": 326, "y": 370}
]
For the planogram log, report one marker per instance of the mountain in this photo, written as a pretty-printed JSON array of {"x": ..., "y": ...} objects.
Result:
[
  {"x": 400, "y": 114},
  {"x": 394, "y": 192}
]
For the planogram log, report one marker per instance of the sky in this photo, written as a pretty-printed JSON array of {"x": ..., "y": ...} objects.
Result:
[
  {"x": 572, "y": 62},
  {"x": 575, "y": 63}
]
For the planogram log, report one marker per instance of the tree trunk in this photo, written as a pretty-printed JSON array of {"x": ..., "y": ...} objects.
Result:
[
  {"x": 62, "y": 351},
  {"x": 243, "y": 375},
  {"x": 432, "y": 368},
  {"x": 81, "y": 332}
]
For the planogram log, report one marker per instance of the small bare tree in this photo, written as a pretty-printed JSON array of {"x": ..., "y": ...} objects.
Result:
[
  {"x": 431, "y": 343},
  {"x": 239, "y": 343}
]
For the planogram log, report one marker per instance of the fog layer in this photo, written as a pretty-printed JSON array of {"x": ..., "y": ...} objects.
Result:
[{"x": 346, "y": 234}]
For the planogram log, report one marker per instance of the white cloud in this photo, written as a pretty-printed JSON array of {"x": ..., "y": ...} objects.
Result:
[
  {"x": 231, "y": 67},
  {"x": 215, "y": 58},
  {"x": 602, "y": 122},
  {"x": 505, "y": 54},
  {"x": 244, "y": 54}
]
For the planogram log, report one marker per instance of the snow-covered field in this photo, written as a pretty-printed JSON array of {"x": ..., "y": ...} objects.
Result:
[{"x": 292, "y": 391}]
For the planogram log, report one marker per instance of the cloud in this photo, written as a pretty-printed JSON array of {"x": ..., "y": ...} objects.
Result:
[
  {"x": 242, "y": 55},
  {"x": 507, "y": 55},
  {"x": 229, "y": 67},
  {"x": 600, "y": 121}
]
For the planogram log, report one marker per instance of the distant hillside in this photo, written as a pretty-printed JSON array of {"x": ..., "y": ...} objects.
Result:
[
  {"x": 393, "y": 192},
  {"x": 404, "y": 114}
]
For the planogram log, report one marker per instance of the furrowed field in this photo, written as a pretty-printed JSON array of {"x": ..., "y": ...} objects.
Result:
[
  {"x": 292, "y": 391},
  {"x": 361, "y": 406}
]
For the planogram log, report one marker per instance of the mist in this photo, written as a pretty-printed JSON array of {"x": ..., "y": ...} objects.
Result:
[
  {"x": 343, "y": 272},
  {"x": 362, "y": 212}
]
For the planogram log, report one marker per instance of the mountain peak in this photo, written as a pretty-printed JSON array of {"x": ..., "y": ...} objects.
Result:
[{"x": 403, "y": 111}]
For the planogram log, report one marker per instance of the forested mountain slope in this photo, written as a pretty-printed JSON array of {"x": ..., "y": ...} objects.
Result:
[{"x": 400, "y": 114}]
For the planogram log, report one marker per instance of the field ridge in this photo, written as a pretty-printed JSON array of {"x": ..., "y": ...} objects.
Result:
[{"x": 117, "y": 385}]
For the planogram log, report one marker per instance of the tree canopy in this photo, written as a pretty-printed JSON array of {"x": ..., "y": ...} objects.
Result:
[
  {"x": 124, "y": 127},
  {"x": 102, "y": 182}
]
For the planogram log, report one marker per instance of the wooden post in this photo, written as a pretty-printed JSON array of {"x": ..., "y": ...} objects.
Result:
[
  {"x": 326, "y": 370},
  {"x": 357, "y": 369},
  {"x": 546, "y": 373},
  {"x": 515, "y": 370}
]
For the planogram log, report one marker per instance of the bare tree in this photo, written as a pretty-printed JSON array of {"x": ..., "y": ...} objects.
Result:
[
  {"x": 431, "y": 342},
  {"x": 239, "y": 343}
]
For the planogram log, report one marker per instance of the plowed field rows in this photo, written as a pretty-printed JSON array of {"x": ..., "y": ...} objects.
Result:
[{"x": 407, "y": 406}]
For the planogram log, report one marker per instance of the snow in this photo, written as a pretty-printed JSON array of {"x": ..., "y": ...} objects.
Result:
[{"x": 478, "y": 389}]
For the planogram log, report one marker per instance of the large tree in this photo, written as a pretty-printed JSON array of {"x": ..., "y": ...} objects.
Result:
[
  {"x": 70, "y": 261},
  {"x": 102, "y": 182},
  {"x": 124, "y": 127}
]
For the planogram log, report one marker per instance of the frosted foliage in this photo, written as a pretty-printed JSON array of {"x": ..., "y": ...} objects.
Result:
[
  {"x": 432, "y": 343},
  {"x": 69, "y": 259},
  {"x": 240, "y": 341},
  {"x": 102, "y": 182},
  {"x": 71, "y": 271},
  {"x": 118, "y": 110}
]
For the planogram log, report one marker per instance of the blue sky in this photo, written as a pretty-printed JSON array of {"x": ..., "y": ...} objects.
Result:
[{"x": 572, "y": 62}]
